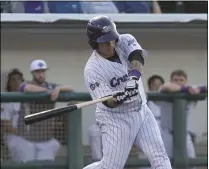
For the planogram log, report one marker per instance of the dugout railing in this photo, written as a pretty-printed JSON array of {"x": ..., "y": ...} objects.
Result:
[{"x": 75, "y": 155}]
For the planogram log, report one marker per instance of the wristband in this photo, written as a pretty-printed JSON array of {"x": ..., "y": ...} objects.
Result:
[
  {"x": 203, "y": 89},
  {"x": 185, "y": 89},
  {"x": 135, "y": 73}
]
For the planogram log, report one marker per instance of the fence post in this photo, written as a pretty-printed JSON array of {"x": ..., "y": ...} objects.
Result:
[
  {"x": 75, "y": 147},
  {"x": 179, "y": 137}
]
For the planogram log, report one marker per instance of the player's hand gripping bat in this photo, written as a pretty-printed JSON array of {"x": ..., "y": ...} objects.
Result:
[{"x": 44, "y": 115}]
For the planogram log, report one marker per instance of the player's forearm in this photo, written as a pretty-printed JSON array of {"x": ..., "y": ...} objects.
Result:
[
  {"x": 32, "y": 88},
  {"x": 137, "y": 65},
  {"x": 65, "y": 88},
  {"x": 170, "y": 87},
  {"x": 7, "y": 127}
]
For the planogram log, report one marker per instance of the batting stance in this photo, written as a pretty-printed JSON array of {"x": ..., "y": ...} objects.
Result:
[{"x": 115, "y": 68}]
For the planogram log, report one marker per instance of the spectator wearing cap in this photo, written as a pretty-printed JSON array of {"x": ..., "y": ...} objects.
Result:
[
  {"x": 10, "y": 114},
  {"x": 41, "y": 143}
]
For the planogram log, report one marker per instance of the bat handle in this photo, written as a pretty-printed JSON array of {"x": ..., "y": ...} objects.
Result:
[{"x": 84, "y": 104}]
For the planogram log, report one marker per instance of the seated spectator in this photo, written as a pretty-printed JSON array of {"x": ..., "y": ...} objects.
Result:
[
  {"x": 138, "y": 6},
  {"x": 5, "y": 7},
  {"x": 28, "y": 7},
  {"x": 34, "y": 7},
  {"x": 10, "y": 115},
  {"x": 64, "y": 7},
  {"x": 98, "y": 7}
]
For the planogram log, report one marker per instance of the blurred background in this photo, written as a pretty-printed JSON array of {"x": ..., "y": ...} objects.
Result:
[{"x": 173, "y": 32}]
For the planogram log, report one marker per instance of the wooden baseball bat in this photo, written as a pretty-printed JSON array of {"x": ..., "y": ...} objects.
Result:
[{"x": 44, "y": 115}]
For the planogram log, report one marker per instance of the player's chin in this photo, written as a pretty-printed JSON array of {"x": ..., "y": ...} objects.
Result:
[{"x": 110, "y": 53}]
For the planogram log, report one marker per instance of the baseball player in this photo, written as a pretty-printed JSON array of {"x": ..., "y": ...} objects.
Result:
[
  {"x": 39, "y": 142},
  {"x": 154, "y": 83},
  {"x": 115, "y": 68},
  {"x": 178, "y": 82},
  {"x": 10, "y": 114}
]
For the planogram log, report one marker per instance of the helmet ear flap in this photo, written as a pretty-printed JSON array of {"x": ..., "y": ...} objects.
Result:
[{"x": 93, "y": 44}]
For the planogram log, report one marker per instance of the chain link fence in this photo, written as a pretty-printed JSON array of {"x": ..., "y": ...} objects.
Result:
[{"x": 38, "y": 132}]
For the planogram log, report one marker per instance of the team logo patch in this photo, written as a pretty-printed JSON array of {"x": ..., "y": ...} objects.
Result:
[
  {"x": 40, "y": 64},
  {"x": 131, "y": 42},
  {"x": 106, "y": 29},
  {"x": 94, "y": 85}
]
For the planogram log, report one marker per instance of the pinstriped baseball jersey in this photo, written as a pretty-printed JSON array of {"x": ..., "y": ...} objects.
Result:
[
  {"x": 130, "y": 123},
  {"x": 102, "y": 77}
]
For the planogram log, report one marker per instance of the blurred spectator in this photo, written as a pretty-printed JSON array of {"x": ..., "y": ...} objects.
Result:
[
  {"x": 28, "y": 7},
  {"x": 98, "y": 7},
  {"x": 5, "y": 7},
  {"x": 39, "y": 143},
  {"x": 154, "y": 83},
  {"x": 178, "y": 83},
  {"x": 34, "y": 6},
  {"x": 138, "y": 6},
  {"x": 64, "y": 7},
  {"x": 10, "y": 115}
]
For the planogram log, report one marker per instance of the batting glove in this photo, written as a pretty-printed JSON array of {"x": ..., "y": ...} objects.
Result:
[
  {"x": 131, "y": 88},
  {"x": 119, "y": 97}
]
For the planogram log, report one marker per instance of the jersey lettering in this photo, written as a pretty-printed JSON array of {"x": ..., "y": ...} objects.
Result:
[{"x": 117, "y": 81}]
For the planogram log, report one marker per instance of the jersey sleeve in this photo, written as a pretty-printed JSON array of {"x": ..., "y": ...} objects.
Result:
[
  {"x": 52, "y": 86},
  {"x": 96, "y": 85},
  {"x": 6, "y": 112},
  {"x": 130, "y": 44}
]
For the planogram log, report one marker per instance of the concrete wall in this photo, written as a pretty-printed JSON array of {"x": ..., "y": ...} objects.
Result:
[{"x": 66, "y": 55}]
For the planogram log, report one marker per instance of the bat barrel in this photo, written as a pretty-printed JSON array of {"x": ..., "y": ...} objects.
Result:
[{"x": 37, "y": 117}]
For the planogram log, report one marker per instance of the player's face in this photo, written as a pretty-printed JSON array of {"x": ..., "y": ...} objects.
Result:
[
  {"x": 179, "y": 80},
  {"x": 15, "y": 82},
  {"x": 39, "y": 76},
  {"x": 107, "y": 49},
  {"x": 155, "y": 85}
]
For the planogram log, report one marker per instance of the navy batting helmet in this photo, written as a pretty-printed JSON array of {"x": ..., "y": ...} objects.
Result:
[{"x": 101, "y": 29}]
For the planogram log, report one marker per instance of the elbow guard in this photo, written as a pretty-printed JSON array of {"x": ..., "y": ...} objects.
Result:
[{"x": 136, "y": 55}]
